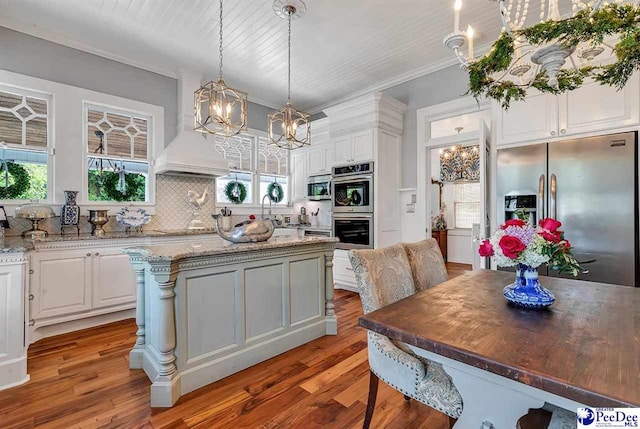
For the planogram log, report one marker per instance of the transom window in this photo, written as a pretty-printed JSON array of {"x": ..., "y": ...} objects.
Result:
[
  {"x": 118, "y": 155},
  {"x": 255, "y": 164},
  {"x": 24, "y": 143}
]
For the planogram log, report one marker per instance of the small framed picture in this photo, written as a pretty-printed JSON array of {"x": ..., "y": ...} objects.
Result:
[{"x": 3, "y": 218}]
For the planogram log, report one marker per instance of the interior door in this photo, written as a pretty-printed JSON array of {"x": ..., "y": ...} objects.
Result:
[
  {"x": 592, "y": 192},
  {"x": 484, "y": 230}
]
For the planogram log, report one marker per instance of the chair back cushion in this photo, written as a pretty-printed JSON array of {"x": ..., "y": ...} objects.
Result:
[
  {"x": 427, "y": 265},
  {"x": 383, "y": 276}
]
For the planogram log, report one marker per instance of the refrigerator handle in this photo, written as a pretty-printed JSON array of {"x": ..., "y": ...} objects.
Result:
[
  {"x": 553, "y": 210},
  {"x": 541, "y": 188}
]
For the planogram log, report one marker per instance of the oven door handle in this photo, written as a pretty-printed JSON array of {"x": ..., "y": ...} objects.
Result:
[
  {"x": 352, "y": 178},
  {"x": 358, "y": 217}
]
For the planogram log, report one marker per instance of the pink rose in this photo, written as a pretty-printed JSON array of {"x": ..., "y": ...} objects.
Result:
[
  {"x": 513, "y": 222},
  {"x": 486, "y": 249},
  {"x": 511, "y": 246},
  {"x": 550, "y": 224},
  {"x": 553, "y": 237}
]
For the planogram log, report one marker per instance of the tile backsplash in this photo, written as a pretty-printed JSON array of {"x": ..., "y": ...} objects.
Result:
[{"x": 172, "y": 211}]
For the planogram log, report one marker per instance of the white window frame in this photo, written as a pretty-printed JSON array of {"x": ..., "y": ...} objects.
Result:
[
  {"x": 151, "y": 179},
  {"x": 49, "y": 150},
  {"x": 250, "y": 208},
  {"x": 455, "y": 205}
]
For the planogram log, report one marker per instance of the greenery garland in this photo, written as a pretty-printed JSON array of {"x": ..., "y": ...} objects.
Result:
[
  {"x": 135, "y": 187},
  {"x": 622, "y": 19},
  {"x": 275, "y": 192},
  {"x": 235, "y": 192},
  {"x": 21, "y": 181}
]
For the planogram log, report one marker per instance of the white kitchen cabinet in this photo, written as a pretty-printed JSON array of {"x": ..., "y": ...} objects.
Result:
[
  {"x": 298, "y": 175},
  {"x": 14, "y": 335},
  {"x": 61, "y": 283},
  {"x": 354, "y": 147},
  {"x": 362, "y": 146},
  {"x": 114, "y": 281},
  {"x": 590, "y": 108},
  {"x": 343, "y": 275},
  {"x": 594, "y": 107},
  {"x": 342, "y": 150},
  {"x": 533, "y": 119},
  {"x": 320, "y": 159}
]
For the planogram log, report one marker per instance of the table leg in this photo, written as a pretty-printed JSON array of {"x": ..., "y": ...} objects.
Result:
[
  {"x": 488, "y": 405},
  {"x": 489, "y": 401}
]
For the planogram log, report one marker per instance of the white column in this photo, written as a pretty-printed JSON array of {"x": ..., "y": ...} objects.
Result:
[
  {"x": 165, "y": 389},
  {"x": 136, "y": 354},
  {"x": 330, "y": 313}
]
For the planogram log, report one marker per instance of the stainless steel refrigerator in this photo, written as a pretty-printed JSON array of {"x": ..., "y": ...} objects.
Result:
[{"x": 591, "y": 186}]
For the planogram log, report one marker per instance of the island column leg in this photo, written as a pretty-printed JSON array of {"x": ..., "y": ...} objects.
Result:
[
  {"x": 136, "y": 354},
  {"x": 165, "y": 389},
  {"x": 331, "y": 322}
]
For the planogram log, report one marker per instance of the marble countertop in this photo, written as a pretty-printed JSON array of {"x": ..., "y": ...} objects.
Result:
[
  {"x": 217, "y": 246},
  {"x": 17, "y": 244}
]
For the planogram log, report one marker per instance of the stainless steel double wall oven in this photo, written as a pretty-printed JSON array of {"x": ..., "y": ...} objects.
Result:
[{"x": 352, "y": 205}]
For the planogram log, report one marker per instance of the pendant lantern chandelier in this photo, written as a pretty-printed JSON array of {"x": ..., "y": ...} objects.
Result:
[
  {"x": 219, "y": 109},
  {"x": 582, "y": 39},
  {"x": 284, "y": 123}
]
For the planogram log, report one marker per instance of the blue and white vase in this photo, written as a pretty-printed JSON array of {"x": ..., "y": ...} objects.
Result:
[
  {"x": 70, "y": 213},
  {"x": 526, "y": 291}
]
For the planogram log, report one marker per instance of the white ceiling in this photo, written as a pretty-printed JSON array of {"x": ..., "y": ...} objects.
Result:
[{"x": 341, "y": 48}]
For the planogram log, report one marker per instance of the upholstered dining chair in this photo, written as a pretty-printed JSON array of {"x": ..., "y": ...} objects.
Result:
[
  {"x": 384, "y": 277},
  {"x": 427, "y": 264}
]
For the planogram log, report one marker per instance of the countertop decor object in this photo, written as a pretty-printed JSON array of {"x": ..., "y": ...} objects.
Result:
[
  {"x": 98, "y": 218},
  {"x": 70, "y": 212},
  {"x": 133, "y": 219},
  {"x": 519, "y": 244},
  {"x": 35, "y": 212},
  {"x": 197, "y": 201},
  {"x": 246, "y": 232},
  {"x": 596, "y": 41}
]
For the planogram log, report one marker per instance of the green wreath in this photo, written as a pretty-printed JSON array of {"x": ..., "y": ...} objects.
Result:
[
  {"x": 21, "y": 181},
  {"x": 235, "y": 192},
  {"x": 275, "y": 192},
  {"x": 135, "y": 187},
  {"x": 622, "y": 19}
]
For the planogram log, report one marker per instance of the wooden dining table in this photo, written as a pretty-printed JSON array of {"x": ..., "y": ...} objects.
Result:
[{"x": 584, "y": 351}]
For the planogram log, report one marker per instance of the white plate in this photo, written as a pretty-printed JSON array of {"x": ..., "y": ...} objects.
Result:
[{"x": 133, "y": 218}]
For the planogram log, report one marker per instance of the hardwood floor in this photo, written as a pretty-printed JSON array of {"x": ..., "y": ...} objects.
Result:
[{"x": 82, "y": 380}]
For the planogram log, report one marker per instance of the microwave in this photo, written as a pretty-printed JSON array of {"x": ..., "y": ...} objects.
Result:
[{"x": 319, "y": 187}]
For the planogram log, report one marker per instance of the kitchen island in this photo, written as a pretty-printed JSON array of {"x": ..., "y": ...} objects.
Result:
[{"x": 211, "y": 308}]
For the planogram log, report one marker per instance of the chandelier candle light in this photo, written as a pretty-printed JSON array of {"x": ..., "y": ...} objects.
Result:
[
  {"x": 599, "y": 40},
  {"x": 284, "y": 124},
  {"x": 219, "y": 109}
]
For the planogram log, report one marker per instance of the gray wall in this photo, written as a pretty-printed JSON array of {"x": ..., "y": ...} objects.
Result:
[
  {"x": 43, "y": 59},
  {"x": 435, "y": 88},
  {"x": 28, "y": 55}
]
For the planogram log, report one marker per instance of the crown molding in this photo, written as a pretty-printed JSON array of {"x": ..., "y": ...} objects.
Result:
[
  {"x": 65, "y": 40},
  {"x": 398, "y": 80},
  {"x": 374, "y": 110}
]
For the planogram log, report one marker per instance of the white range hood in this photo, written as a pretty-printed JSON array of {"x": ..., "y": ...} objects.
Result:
[{"x": 190, "y": 153}]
